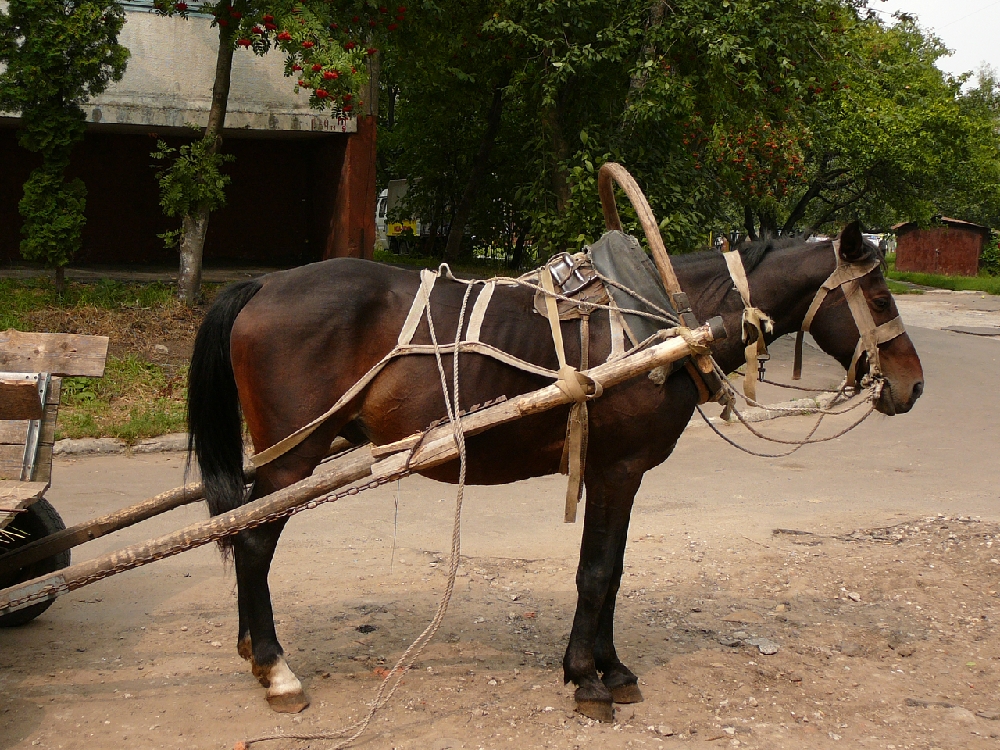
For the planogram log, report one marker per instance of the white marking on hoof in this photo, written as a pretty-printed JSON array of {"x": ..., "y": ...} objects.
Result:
[
  {"x": 284, "y": 692},
  {"x": 282, "y": 679}
]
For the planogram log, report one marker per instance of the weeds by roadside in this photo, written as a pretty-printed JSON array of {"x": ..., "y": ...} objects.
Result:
[{"x": 144, "y": 389}]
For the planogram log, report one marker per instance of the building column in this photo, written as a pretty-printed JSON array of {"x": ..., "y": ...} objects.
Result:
[{"x": 352, "y": 226}]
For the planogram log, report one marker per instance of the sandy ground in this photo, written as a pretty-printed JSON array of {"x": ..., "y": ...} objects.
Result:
[{"x": 883, "y": 614}]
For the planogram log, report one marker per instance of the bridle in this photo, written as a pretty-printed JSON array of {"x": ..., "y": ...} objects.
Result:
[{"x": 847, "y": 277}]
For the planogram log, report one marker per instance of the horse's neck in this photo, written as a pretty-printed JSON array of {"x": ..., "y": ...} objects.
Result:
[{"x": 782, "y": 285}]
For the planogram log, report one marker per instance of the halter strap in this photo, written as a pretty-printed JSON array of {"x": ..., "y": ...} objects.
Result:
[
  {"x": 753, "y": 319},
  {"x": 847, "y": 277}
]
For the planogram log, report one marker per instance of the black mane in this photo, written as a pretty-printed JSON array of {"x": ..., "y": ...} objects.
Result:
[{"x": 754, "y": 252}]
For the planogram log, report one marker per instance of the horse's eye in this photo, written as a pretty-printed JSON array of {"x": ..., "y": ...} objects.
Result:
[{"x": 881, "y": 304}]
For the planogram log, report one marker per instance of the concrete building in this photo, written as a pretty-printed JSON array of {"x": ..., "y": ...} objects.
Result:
[
  {"x": 303, "y": 183},
  {"x": 949, "y": 246}
]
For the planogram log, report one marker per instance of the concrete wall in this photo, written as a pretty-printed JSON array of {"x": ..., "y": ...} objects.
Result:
[
  {"x": 168, "y": 82},
  {"x": 950, "y": 250}
]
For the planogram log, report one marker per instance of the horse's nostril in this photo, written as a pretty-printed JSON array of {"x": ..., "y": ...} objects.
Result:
[{"x": 918, "y": 389}]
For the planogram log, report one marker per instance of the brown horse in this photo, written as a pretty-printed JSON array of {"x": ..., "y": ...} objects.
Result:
[{"x": 285, "y": 347}]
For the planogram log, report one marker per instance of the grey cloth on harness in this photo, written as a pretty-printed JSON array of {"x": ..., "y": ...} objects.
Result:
[{"x": 619, "y": 257}]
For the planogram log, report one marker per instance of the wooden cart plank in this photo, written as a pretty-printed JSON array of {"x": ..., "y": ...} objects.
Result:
[
  {"x": 13, "y": 432},
  {"x": 19, "y": 399},
  {"x": 55, "y": 353},
  {"x": 11, "y": 461}
]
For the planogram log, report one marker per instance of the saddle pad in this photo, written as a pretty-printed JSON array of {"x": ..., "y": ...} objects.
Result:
[{"x": 619, "y": 257}]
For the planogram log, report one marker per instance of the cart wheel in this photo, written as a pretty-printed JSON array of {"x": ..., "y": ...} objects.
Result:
[{"x": 39, "y": 521}]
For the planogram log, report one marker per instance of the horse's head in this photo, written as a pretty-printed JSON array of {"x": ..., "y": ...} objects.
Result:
[{"x": 858, "y": 324}]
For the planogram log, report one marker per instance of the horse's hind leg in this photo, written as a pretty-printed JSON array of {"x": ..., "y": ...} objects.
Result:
[
  {"x": 610, "y": 493},
  {"x": 253, "y": 551},
  {"x": 617, "y": 678}
]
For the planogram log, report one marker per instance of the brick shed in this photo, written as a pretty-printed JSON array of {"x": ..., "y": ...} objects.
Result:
[{"x": 949, "y": 246}]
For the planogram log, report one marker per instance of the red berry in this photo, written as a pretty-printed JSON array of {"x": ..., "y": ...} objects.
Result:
[
  {"x": 350, "y": 45},
  {"x": 371, "y": 50},
  {"x": 383, "y": 9},
  {"x": 347, "y": 107},
  {"x": 401, "y": 17},
  {"x": 285, "y": 36},
  {"x": 244, "y": 42},
  {"x": 317, "y": 68},
  {"x": 222, "y": 22},
  {"x": 308, "y": 45},
  {"x": 333, "y": 26},
  {"x": 401, "y": 9},
  {"x": 329, "y": 74},
  {"x": 355, "y": 19},
  {"x": 303, "y": 84},
  {"x": 268, "y": 17},
  {"x": 181, "y": 7},
  {"x": 322, "y": 94},
  {"x": 235, "y": 14},
  {"x": 296, "y": 67},
  {"x": 373, "y": 23},
  {"x": 270, "y": 26},
  {"x": 392, "y": 27},
  {"x": 348, "y": 97},
  {"x": 257, "y": 30}
]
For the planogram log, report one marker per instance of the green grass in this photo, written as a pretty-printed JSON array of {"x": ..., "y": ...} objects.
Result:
[
  {"x": 896, "y": 288},
  {"x": 134, "y": 400},
  {"x": 981, "y": 283},
  {"x": 18, "y": 297},
  {"x": 986, "y": 284}
]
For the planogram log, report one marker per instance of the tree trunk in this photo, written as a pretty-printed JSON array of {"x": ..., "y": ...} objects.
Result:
[
  {"x": 60, "y": 280},
  {"x": 560, "y": 151},
  {"x": 748, "y": 223},
  {"x": 465, "y": 205},
  {"x": 637, "y": 81},
  {"x": 193, "y": 231},
  {"x": 194, "y": 227}
]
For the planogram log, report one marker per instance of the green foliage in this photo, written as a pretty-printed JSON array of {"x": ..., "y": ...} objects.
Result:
[
  {"x": 193, "y": 177},
  {"x": 774, "y": 116},
  {"x": 54, "y": 55},
  {"x": 989, "y": 262},
  {"x": 53, "y": 216}
]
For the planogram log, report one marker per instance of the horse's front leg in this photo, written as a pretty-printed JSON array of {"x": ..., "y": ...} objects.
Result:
[
  {"x": 610, "y": 493},
  {"x": 617, "y": 678}
]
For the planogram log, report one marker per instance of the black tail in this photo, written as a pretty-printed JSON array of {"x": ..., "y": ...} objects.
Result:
[{"x": 216, "y": 429}]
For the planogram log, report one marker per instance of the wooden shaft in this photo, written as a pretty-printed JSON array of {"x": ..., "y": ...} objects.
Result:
[
  {"x": 439, "y": 447},
  {"x": 84, "y": 532},
  {"x": 355, "y": 467},
  {"x": 66, "y": 539}
]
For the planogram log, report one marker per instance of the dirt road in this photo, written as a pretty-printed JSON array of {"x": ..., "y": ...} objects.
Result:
[{"x": 883, "y": 614}]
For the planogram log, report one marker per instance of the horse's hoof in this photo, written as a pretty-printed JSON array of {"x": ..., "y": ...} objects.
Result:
[
  {"x": 628, "y": 693},
  {"x": 288, "y": 703},
  {"x": 597, "y": 710}
]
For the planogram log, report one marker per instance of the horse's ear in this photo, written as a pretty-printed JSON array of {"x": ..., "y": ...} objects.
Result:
[{"x": 852, "y": 243}]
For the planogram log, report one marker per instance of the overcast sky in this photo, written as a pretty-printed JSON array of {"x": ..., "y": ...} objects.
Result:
[{"x": 970, "y": 28}]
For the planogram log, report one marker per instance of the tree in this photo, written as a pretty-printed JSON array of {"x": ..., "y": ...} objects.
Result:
[
  {"x": 331, "y": 48},
  {"x": 760, "y": 116},
  {"x": 55, "y": 55}
]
